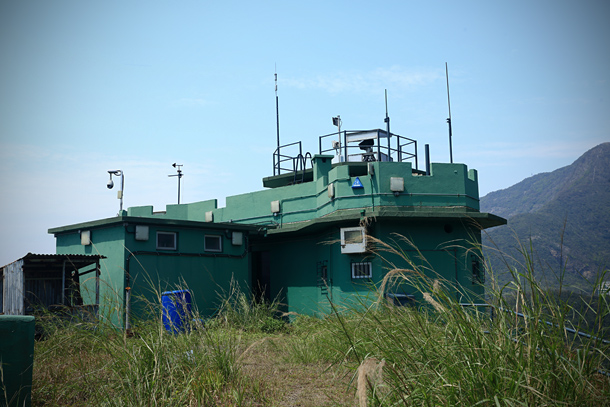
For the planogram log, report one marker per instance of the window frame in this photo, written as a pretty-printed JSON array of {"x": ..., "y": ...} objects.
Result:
[
  {"x": 205, "y": 246},
  {"x": 355, "y": 264},
  {"x": 174, "y": 234}
]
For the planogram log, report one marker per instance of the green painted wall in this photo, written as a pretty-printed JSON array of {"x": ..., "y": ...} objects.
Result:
[
  {"x": 151, "y": 270},
  {"x": 296, "y": 260},
  {"x": 108, "y": 240},
  {"x": 205, "y": 274}
]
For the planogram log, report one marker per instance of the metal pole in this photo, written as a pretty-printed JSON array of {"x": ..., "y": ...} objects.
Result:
[
  {"x": 97, "y": 288},
  {"x": 127, "y": 308},
  {"x": 449, "y": 118},
  {"x": 179, "y": 177},
  {"x": 63, "y": 283},
  {"x": 122, "y": 189},
  {"x": 277, "y": 119},
  {"x": 387, "y": 122}
]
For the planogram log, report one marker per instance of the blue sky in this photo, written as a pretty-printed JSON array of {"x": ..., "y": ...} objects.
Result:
[{"x": 91, "y": 86}]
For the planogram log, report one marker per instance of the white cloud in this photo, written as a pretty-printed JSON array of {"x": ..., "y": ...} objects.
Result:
[{"x": 395, "y": 77}]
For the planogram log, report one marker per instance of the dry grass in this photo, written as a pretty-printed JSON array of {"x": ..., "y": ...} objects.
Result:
[
  {"x": 296, "y": 384},
  {"x": 69, "y": 373}
]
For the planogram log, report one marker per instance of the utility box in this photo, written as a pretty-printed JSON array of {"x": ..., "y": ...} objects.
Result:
[{"x": 17, "y": 359}]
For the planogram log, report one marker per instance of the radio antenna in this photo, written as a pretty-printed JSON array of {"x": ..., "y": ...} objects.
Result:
[
  {"x": 387, "y": 121},
  {"x": 277, "y": 114},
  {"x": 449, "y": 118}
]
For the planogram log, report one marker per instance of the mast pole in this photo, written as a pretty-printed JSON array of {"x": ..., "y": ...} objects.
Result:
[{"x": 449, "y": 118}]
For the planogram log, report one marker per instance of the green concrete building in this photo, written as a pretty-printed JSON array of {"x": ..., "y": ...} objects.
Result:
[{"x": 307, "y": 237}]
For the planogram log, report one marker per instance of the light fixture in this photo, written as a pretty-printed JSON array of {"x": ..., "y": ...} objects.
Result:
[{"x": 110, "y": 185}]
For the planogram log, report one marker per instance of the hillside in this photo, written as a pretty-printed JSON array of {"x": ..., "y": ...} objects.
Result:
[{"x": 564, "y": 214}]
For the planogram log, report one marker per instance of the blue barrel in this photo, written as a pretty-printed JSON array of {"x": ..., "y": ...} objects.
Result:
[{"x": 176, "y": 310}]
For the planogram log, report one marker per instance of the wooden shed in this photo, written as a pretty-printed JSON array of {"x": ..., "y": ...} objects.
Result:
[{"x": 46, "y": 281}]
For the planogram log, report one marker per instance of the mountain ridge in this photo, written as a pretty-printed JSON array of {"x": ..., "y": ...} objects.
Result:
[{"x": 563, "y": 215}]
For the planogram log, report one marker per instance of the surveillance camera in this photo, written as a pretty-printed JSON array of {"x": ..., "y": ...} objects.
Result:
[{"x": 110, "y": 184}]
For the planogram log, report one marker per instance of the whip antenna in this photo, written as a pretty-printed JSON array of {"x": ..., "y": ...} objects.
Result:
[
  {"x": 449, "y": 118},
  {"x": 277, "y": 114}
]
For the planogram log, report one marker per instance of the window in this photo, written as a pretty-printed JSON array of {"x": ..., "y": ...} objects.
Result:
[
  {"x": 212, "y": 243},
  {"x": 478, "y": 274},
  {"x": 353, "y": 240},
  {"x": 166, "y": 240},
  {"x": 362, "y": 270}
]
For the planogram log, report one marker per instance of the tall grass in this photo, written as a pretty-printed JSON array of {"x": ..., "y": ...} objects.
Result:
[
  {"x": 445, "y": 353},
  {"x": 247, "y": 312},
  {"x": 86, "y": 363},
  {"x": 439, "y": 352}
]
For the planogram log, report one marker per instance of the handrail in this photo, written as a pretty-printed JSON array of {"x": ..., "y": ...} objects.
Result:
[
  {"x": 399, "y": 153},
  {"x": 279, "y": 158}
]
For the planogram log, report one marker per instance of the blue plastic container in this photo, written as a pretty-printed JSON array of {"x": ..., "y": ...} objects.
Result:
[{"x": 176, "y": 310}]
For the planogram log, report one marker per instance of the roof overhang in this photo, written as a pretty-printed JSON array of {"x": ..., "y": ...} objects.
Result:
[{"x": 474, "y": 219}]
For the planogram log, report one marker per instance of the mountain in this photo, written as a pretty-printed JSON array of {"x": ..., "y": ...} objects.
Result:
[{"x": 564, "y": 216}]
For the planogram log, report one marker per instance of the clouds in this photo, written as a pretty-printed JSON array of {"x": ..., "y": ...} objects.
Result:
[{"x": 395, "y": 77}]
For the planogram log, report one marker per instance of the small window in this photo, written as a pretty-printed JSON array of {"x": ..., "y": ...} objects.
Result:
[
  {"x": 166, "y": 240},
  {"x": 212, "y": 243},
  {"x": 478, "y": 274},
  {"x": 362, "y": 270},
  {"x": 353, "y": 240}
]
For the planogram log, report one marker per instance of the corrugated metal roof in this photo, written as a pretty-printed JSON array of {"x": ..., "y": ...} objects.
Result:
[{"x": 52, "y": 262}]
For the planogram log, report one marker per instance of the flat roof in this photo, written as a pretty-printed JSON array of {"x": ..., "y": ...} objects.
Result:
[{"x": 143, "y": 220}]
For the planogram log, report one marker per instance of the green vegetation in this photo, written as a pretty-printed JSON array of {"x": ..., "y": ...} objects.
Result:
[{"x": 438, "y": 353}]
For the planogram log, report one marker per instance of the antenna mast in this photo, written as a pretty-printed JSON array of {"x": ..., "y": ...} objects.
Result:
[
  {"x": 387, "y": 122},
  {"x": 449, "y": 118},
  {"x": 277, "y": 114}
]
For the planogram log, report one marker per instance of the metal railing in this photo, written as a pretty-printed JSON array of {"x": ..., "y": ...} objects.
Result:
[
  {"x": 379, "y": 148},
  {"x": 280, "y": 160}
]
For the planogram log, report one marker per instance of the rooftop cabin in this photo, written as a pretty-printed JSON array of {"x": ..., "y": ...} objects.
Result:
[{"x": 363, "y": 171}]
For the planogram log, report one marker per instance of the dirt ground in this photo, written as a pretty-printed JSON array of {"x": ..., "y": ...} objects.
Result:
[{"x": 292, "y": 385}]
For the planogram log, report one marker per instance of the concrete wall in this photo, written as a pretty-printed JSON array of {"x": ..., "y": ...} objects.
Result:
[
  {"x": 107, "y": 240},
  {"x": 440, "y": 250},
  {"x": 148, "y": 271},
  {"x": 204, "y": 273}
]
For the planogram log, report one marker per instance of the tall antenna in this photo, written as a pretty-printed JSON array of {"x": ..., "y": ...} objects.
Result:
[
  {"x": 387, "y": 121},
  {"x": 277, "y": 114},
  {"x": 449, "y": 118}
]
